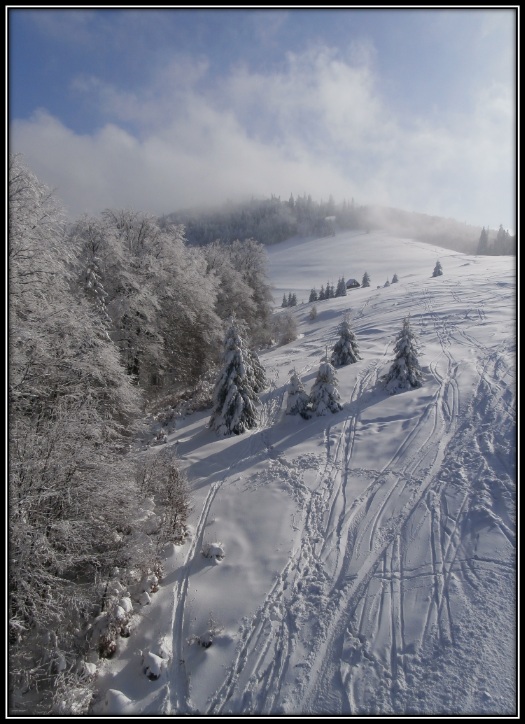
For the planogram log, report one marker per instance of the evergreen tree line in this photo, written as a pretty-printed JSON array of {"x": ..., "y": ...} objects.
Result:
[
  {"x": 273, "y": 220},
  {"x": 496, "y": 243},
  {"x": 328, "y": 292},
  {"x": 105, "y": 313},
  {"x": 268, "y": 220}
]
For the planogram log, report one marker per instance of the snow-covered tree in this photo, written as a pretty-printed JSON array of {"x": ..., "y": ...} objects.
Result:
[
  {"x": 405, "y": 372},
  {"x": 313, "y": 295},
  {"x": 438, "y": 270},
  {"x": 324, "y": 395},
  {"x": 395, "y": 279},
  {"x": 386, "y": 284},
  {"x": 366, "y": 280},
  {"x": 285, "y": 301},
  {"x": 285, "y": 327},
  {"x": 322, "y": 294},
  {"x": 341, "y": 288},
  {"x": 313, "y": 313},
  {"x": 234, "y": 399},
  {"x": 346, "y": 350},
  {"x": 298, "y": 400}
]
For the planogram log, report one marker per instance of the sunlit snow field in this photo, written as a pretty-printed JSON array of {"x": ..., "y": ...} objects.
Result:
[{"x": 369, "y": 554}]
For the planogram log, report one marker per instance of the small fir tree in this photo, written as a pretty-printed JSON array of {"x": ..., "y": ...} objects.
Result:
[
  {"x": 313, "y": 295},
  {"x": 366, "y": 280},
  {"x": 405, "y": 372},
  {"x": 285, "y": 301},
  {"x": 324, "y": 395},
  {"x": 298, "y": 400},
  {"x": 313, "y": 313},
  {"x": 395, "y": 279},
  {"x": 386, "y": 284},
  {"x": 346, "y": 350},
  {"x": 438, "y": 270},
  {"x": 341, "y": 288},
  {"x": 234, "y": 398}
]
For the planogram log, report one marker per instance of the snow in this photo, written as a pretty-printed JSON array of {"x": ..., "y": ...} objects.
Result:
[{"x": 370, "y": 553}]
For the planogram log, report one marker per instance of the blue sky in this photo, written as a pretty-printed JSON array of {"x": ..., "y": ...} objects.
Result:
[{"x": 163, "y": 109}]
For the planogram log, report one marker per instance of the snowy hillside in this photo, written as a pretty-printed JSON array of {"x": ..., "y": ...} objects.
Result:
[{"x": 369, "y": 555}]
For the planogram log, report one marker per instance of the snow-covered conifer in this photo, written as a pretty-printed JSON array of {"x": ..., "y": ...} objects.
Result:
[
  {"x": 341, "y": 288},
  {"x": 438, "y": 269},
  {"x": 386, "y": 284},
  {"x": 395, "y": 279},
  {"x": 366, "y": 280},
  {"x": 405, "y": 372},
  {"x": 234, "y": 399},
  {"x": 313, "y": 295},
  {"x": 285, "y": 301},
  {"x": 298, "y": 399},
  {"x": 346, "y": 350},
  {"x": 324, "y": 395}
]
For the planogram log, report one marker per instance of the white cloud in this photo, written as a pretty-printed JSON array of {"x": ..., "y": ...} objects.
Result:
[{"x": 319, "y": 126}]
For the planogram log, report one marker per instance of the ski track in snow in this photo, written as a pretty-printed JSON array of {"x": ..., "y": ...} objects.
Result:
[{"x": 358, "y": 607}]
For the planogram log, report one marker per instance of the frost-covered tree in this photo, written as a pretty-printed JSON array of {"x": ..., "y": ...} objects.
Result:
[
  {"x": 298, "y": 400},
  {"x": 405, "y": 372},
  {"x": 324, "y": 395},
  {"x": 234, "y": 399},
  {"x": 346, "y": 350},
  {"x": 313, "y": 313},
  {"x": 71, "y": 489},
  {"x": 366, "y": 280},
  {"x": 285, "y": 327},
  {"x": 438, "y": 270},
  {"x": 395, "y": 279},
  {"x": 249, "y": 258}
]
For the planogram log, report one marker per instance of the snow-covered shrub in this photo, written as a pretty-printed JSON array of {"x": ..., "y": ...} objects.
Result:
[
  {"x": 312, "y": 316},
  {"x": 215, "y": 551},
  {"x": 207, "y": 637},
  {"x": 285, "y": 327},
  {"x": 160, "y": 477},
  {"x": 153, "y": 665}
]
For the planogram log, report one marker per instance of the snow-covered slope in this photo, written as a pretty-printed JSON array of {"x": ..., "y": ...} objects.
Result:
[{"x": 369, "y": 555}]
